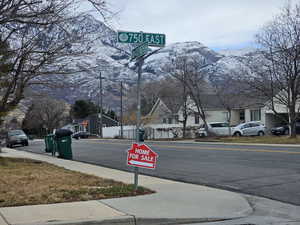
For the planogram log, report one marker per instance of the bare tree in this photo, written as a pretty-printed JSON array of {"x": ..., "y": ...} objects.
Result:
[
  {"x": 171, "y": 92},
  {"x": 175, "y": 95},
  {"x": 40, "y": 39},
  {"x": 227, "y": 89},
  {"x": 191, "y": 72},
  {"x": 274, "y": 73},
  {"x": 46, "y": 113}
]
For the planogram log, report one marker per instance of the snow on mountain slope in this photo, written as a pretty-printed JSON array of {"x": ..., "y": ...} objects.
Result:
[
  {"x": 111, "y": 59},
  {"x": 236, "y": 52}
]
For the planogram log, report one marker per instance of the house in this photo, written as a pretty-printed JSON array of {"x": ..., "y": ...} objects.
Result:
[
  {"x": 246, "y": 109},
  {"x": 94, "y": 123},
  {"x": 164, "y": 111},
  {"x": 91, "y": 124}
]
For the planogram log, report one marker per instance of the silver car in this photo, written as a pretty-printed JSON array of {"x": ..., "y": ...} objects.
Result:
[
  {"x": 252, "y": 128},
  {"x": 16, "y": 137},
  {"x": 217, "y": 128}
]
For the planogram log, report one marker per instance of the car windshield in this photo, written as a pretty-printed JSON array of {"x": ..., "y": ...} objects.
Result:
[
  {"x": 15, "y": 132},
  {"x": 219, "y": 125}
]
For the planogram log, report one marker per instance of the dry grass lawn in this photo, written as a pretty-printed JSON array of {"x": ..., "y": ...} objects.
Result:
[
  {"x": 268, "y": 139},
  {"x": 28, "y": 182}
]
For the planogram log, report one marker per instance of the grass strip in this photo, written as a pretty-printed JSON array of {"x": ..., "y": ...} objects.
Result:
[
  {"x": 254, "y": 140},
  {"x": 30, "y": 182}
]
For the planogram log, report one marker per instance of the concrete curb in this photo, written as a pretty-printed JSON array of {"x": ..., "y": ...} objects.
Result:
[
  {"x": 204, "y": 142},
  {"x": 124, "y": 221},
  {"x": 131, "y": 220},
  {"x": 249, "y": 144}
]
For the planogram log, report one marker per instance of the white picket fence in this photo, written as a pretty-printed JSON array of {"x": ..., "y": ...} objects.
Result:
[
  {"x": 155, "y": 131},
  {"x": 112, "y": 132}
]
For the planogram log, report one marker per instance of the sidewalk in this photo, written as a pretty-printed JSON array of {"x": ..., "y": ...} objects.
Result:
[{"x": 173, "y": 203}]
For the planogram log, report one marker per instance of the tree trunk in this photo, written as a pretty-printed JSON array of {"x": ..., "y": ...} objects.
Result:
[
  {"x": 184, "y": 128},
  {"x": 228, "y": 120},
  {"x": 293, "y": 125}
]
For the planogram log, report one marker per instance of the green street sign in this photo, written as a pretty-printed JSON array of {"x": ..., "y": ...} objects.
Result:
[
  {"x": 157, "y": 40},
  {"x": 139, "y": 51}
]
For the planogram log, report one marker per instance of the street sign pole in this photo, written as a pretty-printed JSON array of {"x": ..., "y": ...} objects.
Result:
[
  {"x": 138, "y": 116},
  {"x": 145, "y": 39}
]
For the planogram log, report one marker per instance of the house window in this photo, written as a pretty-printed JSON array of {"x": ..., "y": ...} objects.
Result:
[
  {"x": 164, "y": 120},
  {"x": 255, "y": 115},
  {"x": 242, "y": 115},
  {"x": 170, "y": 120},
  {"x": 197, "y": 119}
]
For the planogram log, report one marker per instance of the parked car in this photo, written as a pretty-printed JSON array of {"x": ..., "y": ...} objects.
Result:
[
  {"x": 281, "y": 130},
  {"x": 252, "y": 128},
  {"x": 218, "y": 128},
  {"x": 284, "y": 129},
  {"x": 16, "y": 137},
  {"x": 81, "y": 134}
]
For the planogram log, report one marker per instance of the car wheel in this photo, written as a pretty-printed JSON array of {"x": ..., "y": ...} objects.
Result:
[
  {"x": 26, "y": 143},
  {"x": 237, "y": 134},
  {"x": 261, "y": 133}
]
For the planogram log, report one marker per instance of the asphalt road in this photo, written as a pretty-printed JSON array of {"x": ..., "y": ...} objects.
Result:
[{"x": 272, "y": 172}]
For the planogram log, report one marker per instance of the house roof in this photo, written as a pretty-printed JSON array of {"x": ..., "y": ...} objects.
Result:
[
  {"x": 210, "y": 102},
  {"x": 214, "y": 102},
  {"x": 172, "y": 104}
]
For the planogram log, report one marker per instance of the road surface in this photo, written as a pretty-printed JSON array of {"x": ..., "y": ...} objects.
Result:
[{"x": 272, "y": 172}]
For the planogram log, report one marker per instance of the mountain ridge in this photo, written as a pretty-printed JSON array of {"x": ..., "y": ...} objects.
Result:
[{"x": 112, "y": 60}]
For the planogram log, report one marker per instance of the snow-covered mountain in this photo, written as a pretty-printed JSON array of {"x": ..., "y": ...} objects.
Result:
[{"x": 111, "y": 59}]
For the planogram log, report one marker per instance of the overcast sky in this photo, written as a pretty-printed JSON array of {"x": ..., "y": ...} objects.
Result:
[{"x": 218, "y": 24}]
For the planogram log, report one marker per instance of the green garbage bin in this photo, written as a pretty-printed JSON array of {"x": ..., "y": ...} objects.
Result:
[
  {"x": 141, "y": 135},
  {"x": 49, "y": 143},
  {"x": 64, "y": 147}
]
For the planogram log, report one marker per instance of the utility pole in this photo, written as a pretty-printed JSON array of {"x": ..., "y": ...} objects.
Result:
[
  {"x": 100, "y": 109},
  {"x": 121, "y": 113}
]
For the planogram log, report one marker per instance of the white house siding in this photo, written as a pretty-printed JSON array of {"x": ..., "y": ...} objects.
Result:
[
  {"x": 216, "y": 116},
  {"x": 235, "y": 117},
  {"x": 266, "y": 118},
  {"x": 161, "y": 112},
  {"x": 263, "y": 117},
  {"x": 278, "y": 108}
]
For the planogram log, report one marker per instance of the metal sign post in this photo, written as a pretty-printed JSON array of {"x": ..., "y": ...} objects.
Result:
[
  {"x": 145, "y": 39},
  {"x": 138, "y": 116}
]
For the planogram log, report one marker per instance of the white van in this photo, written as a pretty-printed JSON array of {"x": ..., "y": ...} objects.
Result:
[{"x": 218, "y": 128}]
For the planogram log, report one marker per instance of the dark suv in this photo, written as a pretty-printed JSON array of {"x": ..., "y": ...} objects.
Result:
[{"x": 15, "y": 137}]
